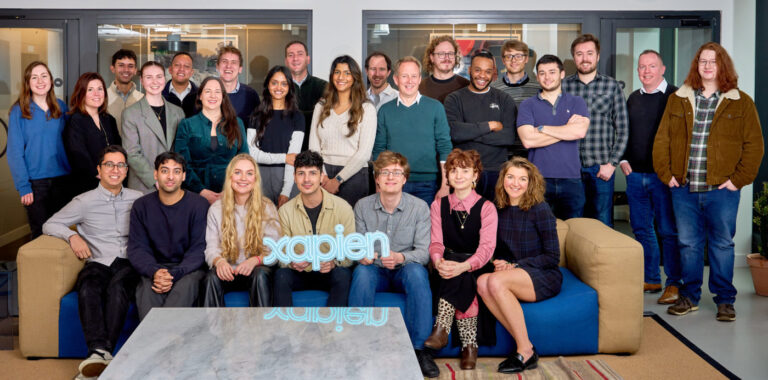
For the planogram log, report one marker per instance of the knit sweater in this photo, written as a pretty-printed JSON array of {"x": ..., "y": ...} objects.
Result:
[
  {"x": 440, "y": 88},
  {"x": 310, "y": 91},
  {"x": 270, "y": 228},
  {"x": 244, "y": 101},
  {"x": 645, "y": 111}
]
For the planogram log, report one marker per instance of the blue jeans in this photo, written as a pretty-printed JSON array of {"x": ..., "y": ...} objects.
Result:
[
  {"x": 411, "y": 279},
  {"x": 565, "y": 196},
  {"x": 649, "y": 201},
  {"x": 599, "y": 195},
  {"x": 424, "y": 190},
  {"x": 709, "y": 217},
  {"x": 486, "y": 184}
]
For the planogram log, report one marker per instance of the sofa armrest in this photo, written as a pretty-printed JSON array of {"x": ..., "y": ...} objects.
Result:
[
  {"x": 47, "y": 270},
  {"x": 612, "y": 264}
]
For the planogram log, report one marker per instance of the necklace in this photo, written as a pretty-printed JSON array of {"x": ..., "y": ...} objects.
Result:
[
  {"x": 462, "y": 217},
  {"x": 162, "y": 110}
]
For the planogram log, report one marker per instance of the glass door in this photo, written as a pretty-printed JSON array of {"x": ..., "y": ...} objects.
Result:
[{"x": 22, "y": 42}]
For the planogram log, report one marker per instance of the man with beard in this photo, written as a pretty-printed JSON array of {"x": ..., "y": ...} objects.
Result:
[
  {"x": 167, "y": 239},
  {"x": 440, "y": 59},
  {"x": 551, "y": 125},
  {"x": 378, "y": 67},
  {"x": 180, "y": 90},
  {"x": 308, "y": 88},
  {"x": 122, "y": 92},
  {"x": 606, "y": 140},
  {"x": 483, "y": 118}
]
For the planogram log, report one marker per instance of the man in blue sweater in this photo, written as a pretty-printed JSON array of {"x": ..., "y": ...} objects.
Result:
[
  {"x": 416, "y": 127},
  {"x": 167, "y": 239},
  {"x": 244, "y": 99}
]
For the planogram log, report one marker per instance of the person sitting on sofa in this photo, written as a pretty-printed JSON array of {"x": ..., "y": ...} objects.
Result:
[
  {"x": 237, "y": 223},
  {"x": 526, "y": 258},
  {"x": 167, "y": 239},
  {"x": 405, "y": 220},
  {"x": 107, "y": 281},
  {"x": 463, "y": 239}
]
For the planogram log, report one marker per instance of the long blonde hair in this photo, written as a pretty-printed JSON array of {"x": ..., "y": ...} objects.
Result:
[{"x": 255, "y": 216}]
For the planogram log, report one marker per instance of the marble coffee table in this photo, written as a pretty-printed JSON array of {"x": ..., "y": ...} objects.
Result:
[{"x": 268, "y": 343}]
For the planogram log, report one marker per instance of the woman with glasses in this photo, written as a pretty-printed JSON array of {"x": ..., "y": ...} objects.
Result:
[
  {"x": 89, "y": 130},
  {"x": 36, "y": 155}
]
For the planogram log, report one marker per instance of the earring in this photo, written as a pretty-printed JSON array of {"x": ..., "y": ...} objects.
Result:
[{"x": 474, "y": 184}]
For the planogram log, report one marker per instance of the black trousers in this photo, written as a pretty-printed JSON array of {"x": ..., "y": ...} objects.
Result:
[
  {"x": 183, "y": 293},
  {"x": 336, "y": 282},
  {"x": 50, "y": 195},
  {"x": 103, "y": 294},
  {"x": 353, "y": 188},
  {"x": 258, "y": 284}
]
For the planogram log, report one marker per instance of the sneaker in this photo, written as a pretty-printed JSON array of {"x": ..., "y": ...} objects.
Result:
[
  {"x": 726, "y": 312},
  {"x": 682, "y": 306},
  {"x": 427, "y": 363},
  {"x": 94, "y": 364},
  {"x": 651, "y": 288}
]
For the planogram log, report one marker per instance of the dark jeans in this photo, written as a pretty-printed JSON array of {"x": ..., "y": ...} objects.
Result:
[
  {"x": 424, "y": 190},
  {"x": 649, "y": 202},
  {"x": 183, "y": 293},
  {"x": 50, "y": 195},
  {"x": 258, "y": 285},
  {"x": 598, "y": 195},
  {"x": 486, "y": 184},
  {"x": 103, "y": 295},
  {"x": 411, "y": 279},
  {"x": 565, "y": 197},
  {"x": 708, "y": 216},
  {"x": 336, "y": 283},
  {"x": 353, "y": 188}
]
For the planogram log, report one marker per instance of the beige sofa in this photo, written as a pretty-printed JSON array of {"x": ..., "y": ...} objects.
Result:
[{"x": 608, "y": 261}]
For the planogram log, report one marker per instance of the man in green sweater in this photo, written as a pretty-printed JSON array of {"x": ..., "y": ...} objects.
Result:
[
  {"x": 415, "y": 126},
  {"x": 308, "y": 88}
]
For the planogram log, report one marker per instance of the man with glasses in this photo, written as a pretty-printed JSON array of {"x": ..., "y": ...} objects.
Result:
[
  {"x": 415, "y": 126},
  {"x": 106, "y": 283},
  {"x": 405, "y": 220},
  {"x": 308, "y": 88},
  {"x": 167, "y": 239},
  {"x": 244, "y": 99},
  {"x": 483, "y": 118},
  {"x": 440, "y": 59},
  {"x": 180, "y": 90},
  {"x": 122, "y": 92}
]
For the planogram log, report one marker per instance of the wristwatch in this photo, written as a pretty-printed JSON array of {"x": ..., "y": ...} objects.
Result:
[{"x": 338, "y": 178}]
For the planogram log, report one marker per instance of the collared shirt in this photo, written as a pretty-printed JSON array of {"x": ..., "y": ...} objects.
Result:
[
  {"x": 183, "y": 94},
  {"x": 102, "y": 220},
  {"x": 386, "y": 95},
  {"x": 300, "y": 82},
  {"x": 505, "y": 78},
  {"x": 662, "y": 87},
  {"x": 118, "y": 102},
  {"x": 407, "y": 226},
  {"x": 704, "y": 112},
  {"x": 237, "y": 88},
  {"x": 608, "y": 132},
  {"x": 400, "y": 99}
]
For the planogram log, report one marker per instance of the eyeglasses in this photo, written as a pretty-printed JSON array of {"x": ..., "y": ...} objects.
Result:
[
  {"x": 707, "y": 63},
  {"x": 111, "y": 165},
  {"x": 396, "y": 173},
  {"x": 514, "y": 57},
  {"x": 445, "y": 54}
]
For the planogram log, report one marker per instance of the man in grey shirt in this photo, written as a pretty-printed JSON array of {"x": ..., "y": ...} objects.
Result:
[
  {"x": 107, "y": 281},
  {"x": 405, "y": 220}
]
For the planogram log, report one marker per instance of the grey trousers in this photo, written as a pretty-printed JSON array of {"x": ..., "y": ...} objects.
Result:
[
  {"x": 272, "y": 182},
  {"x": 183, "y": 293}
]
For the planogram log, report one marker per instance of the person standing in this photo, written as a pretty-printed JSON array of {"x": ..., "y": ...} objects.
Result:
[
  {"x": 122, "y": 92},
  {"x": 440, "y": 59},
  {"x": 709, "y": 145},
  {"x": 309, "y": 89},
  {"x": 180, "y": 90},
  {"x": 378, "y": 67},
  {"x": 244, "y": 99},
  {"x": 36, "y": 155}
]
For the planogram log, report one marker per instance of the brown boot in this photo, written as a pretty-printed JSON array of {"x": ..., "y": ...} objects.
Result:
[
  {"x": 651, "y": 288},
  {"x": 669, "y": 296},
  {"x": 438, "y": 339},
  {"x": 468, "y": 357}
]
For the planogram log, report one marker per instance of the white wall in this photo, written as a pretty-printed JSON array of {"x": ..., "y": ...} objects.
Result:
[{"x": 337, "y": 28}]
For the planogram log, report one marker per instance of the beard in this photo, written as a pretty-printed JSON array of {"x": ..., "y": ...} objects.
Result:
[{"x": 587, "y": 71}]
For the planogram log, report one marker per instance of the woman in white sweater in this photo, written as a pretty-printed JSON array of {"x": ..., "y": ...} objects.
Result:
[
  {"x": 237, "y": 224},
  {"x": 343, "y": 130}
]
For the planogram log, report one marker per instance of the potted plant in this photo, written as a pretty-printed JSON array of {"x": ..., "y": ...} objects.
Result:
[{"x": 758, "y": 262}]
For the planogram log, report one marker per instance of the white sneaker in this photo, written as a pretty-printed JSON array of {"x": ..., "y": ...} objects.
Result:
[{"x": 94, "y": 365}]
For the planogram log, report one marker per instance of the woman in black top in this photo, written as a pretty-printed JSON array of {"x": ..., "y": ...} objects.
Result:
[
  {"x": 89, "y": 130},
  {"x": 526, "y": 258}
]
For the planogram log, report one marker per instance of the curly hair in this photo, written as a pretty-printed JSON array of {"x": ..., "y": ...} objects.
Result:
[
  {"x": 25, "y": 95},
  {"x": 255, "y": 216},
  {"x": 427, "y": 62},
  {"x": 536, "y": 185},
  {"x": 357, "y": 96},
  {"x": 727, "y": 79},
  {"x": 464, "y": 159}
]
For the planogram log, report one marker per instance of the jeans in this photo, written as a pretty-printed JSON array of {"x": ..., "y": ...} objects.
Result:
[
  {"x": 103, "y": 295},
  {"x": 599, "y": 195},
  {"x": 424, "y": 190},
  {"x": 336, "y": 282},
  {"x": 649, "y": 201},
  {"x": 411, "y": 279},
  {"x": 486, "y": 184},
  {"x": 184, "y": 292},
  {"x": 565, "y": 196},
  {"x": 709, "y": 217}
]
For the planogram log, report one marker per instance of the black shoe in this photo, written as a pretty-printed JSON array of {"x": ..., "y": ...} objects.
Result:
[
  {"x": 427, "y": 363},
  {"x": 514, "y": 363}
]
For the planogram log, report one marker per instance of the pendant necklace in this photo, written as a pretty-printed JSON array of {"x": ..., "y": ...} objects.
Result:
[
  {"x": 462, "y": 217},
  {"x": 162, "y": 109}
]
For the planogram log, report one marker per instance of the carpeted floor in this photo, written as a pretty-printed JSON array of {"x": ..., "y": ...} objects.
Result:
[{"x": 662, "y": 355}]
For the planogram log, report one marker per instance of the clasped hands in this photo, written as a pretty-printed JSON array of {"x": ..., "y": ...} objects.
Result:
[
  {"x": 390, "y": 262},
  {"x": 449, "y": 269},
  {"x": 225, "y": 272}
]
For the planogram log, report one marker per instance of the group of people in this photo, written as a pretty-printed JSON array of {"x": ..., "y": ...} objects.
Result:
[{"x": 466, "y": 178}]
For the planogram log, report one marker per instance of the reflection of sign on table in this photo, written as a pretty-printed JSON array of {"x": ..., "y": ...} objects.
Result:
[{"x": 339, "y": 315}]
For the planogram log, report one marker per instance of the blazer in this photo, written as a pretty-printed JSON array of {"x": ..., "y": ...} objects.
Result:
[
  {"x": 84, "y": 142},
  {"x": 143, "y": 139}
]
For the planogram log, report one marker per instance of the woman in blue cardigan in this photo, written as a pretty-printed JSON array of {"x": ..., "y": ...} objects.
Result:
[{"x": 210, "y": 139}]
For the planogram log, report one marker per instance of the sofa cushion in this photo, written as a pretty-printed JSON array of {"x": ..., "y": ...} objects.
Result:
[{"x": 71, "y": 339}]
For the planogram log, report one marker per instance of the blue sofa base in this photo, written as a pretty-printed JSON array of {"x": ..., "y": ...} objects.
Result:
[{"x": 563, "y": 325}]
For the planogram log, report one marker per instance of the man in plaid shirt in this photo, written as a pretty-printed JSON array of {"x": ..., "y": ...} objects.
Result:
[{"x": 606, "y": 139}]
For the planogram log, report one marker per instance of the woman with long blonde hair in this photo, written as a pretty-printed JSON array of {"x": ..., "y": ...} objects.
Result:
[{"x": 237, "y": 225}]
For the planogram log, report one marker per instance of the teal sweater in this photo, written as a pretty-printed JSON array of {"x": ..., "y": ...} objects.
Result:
[{"x": 420, "y": 132}]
